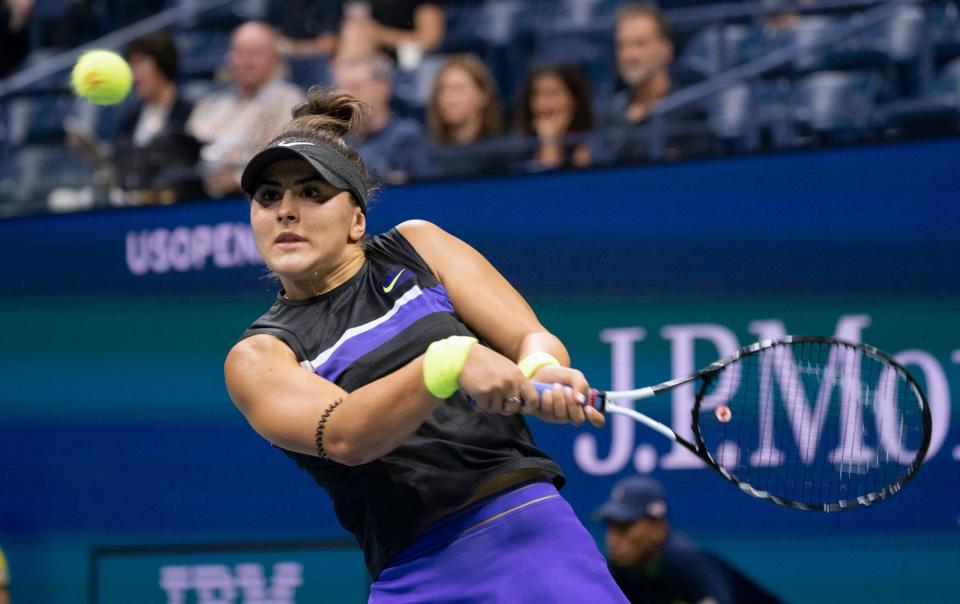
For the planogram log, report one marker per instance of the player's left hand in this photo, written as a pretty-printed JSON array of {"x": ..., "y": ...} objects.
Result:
[{"x": 565, "y": 401}]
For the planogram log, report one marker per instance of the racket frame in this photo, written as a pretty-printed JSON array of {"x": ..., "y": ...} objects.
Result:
[{"x": 603, "y": 401}]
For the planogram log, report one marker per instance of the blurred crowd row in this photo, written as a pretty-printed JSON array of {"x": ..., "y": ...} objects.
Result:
[{"x": 473, "y": 88}]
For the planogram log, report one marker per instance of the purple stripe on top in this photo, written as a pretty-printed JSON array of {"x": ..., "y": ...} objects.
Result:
[{"x": 430, "y": 301}]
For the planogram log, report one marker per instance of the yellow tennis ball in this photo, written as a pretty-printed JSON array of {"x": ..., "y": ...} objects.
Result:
[{"x": 102, "y": 77}]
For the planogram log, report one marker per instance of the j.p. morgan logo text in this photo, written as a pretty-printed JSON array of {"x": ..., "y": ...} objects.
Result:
[
  {"x": 595, "y": 459},
  {"x": 191, "y": 248}
]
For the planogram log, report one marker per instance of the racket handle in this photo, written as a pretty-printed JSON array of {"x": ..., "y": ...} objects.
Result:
[{"x": 596, "y": 398}]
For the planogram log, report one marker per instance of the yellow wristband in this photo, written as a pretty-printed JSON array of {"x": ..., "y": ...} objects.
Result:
[
  {"x": 443, "y": 362},
  {"x": 532, "y": 363}
]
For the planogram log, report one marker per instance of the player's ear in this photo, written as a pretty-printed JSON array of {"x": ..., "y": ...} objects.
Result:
[{"x": 359, "y": 225}]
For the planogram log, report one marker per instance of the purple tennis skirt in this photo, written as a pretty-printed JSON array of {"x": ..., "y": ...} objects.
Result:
[{"x": 521, "y": 545}]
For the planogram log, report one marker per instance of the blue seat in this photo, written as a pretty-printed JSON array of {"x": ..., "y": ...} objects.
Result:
[
  {"x": 8, "y": 177},
  {"x": 502, "y": 22},
  {"x": 506, "y": 29},
  {"x": 463, "y": 29},
  {"x": 714, "y": 49},
  {"x": 411, "y": 88},
  {"x": 99, "y": 120},
  {"x": 36, "y": 119},
  {"x": 931, "y": 116},
  {"x": 195, "y": 89},
  {"x": 819, "y": 50},
  {"x": 811, "y": 34},
  {"x": 949, "y": 80},
  {"x": 55, "y": 82},
  {"x": 936, "y": 113},
  {"x": 772, "y": 105},
  {"x": 731, "y": 115},
  {"x": 898, "y": 39},
  {"x": 837, "y": 104},
  {"x": 305, "y": 71},
  {"x": 563, "y": 14},
  {"x": 202, "y": 52},
  {"x": 590, "y": 48},
  {"x": 227, "y": 16},
  {"x": 39, "y": 169},
  {"x": 903, "y": 34},
  {"x": 943, "y": 20},
  {"x": 51, "y": 9}
]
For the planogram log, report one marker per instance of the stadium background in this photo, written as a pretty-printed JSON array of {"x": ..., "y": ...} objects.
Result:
[{"x": 120, "y": 453}]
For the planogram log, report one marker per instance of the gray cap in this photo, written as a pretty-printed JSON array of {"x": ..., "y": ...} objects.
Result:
[
  {"x": 633, "y": 498},
  {"x": 328, "y": 161}
]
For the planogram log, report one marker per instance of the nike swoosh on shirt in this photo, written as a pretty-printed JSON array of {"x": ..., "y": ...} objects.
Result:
[{"x": 389, "y": 288}]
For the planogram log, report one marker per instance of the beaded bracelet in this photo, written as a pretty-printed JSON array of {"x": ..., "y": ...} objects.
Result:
[{"x": 321, "y": 425}]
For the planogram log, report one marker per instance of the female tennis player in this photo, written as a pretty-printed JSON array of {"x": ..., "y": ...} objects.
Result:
[{"x": 392, "y": 369}]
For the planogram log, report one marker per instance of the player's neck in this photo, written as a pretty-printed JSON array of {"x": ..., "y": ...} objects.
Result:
[{"x": 323, "y": 281}]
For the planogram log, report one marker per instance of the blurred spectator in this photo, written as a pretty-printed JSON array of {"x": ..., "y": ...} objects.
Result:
[
  {"x": 556, "y": 107},
  {"x": 644, "y": 53},
  {"x": 234, "y": 123},
  {"x": 306, "y": 27},
  {"x": 465, "y": 122},
  {"x": 14, "y": 34},
  {"x": 403, "y": 29},
  {"x": 390, "y": 146},
  {"x": 464, "y": 106},
  {"x": 4, "y": 580},
  {"x": 653, "y": 564},
  {"x": 155, "y": 158}
]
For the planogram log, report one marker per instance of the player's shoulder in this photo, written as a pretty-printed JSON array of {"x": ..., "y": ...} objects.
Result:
[
  {"x": 256, "y": 350},
  {"x": 427, "y": 239},
  {"x": 440, "y": 250},
  {"x": 249, "y": 367},
  {"x": 418, "y": 228}
]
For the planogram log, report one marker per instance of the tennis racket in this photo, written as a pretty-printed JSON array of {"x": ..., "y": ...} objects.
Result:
[{"x": 807, "y": 422}]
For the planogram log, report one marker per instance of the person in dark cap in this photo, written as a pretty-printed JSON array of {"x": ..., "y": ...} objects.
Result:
[{"x": 653, "y": 564}]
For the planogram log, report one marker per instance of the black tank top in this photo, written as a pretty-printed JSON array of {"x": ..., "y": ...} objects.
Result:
[{"x": 378, "y": 321}]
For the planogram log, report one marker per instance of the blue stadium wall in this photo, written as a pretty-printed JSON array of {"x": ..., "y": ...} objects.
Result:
[{"x": 116, "y": 431}]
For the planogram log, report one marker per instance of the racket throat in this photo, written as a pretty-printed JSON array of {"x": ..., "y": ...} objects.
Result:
[{"x": 597, "y": 400}]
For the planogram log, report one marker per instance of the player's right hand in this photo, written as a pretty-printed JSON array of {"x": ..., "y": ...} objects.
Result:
[{"x": 494, "y": 382}]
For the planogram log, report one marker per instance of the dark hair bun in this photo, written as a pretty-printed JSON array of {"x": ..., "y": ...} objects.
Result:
[{"x": 331, "y": 110}]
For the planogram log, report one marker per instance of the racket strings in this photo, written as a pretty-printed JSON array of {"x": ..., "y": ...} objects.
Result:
[{"x": 815, "y": 423}]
